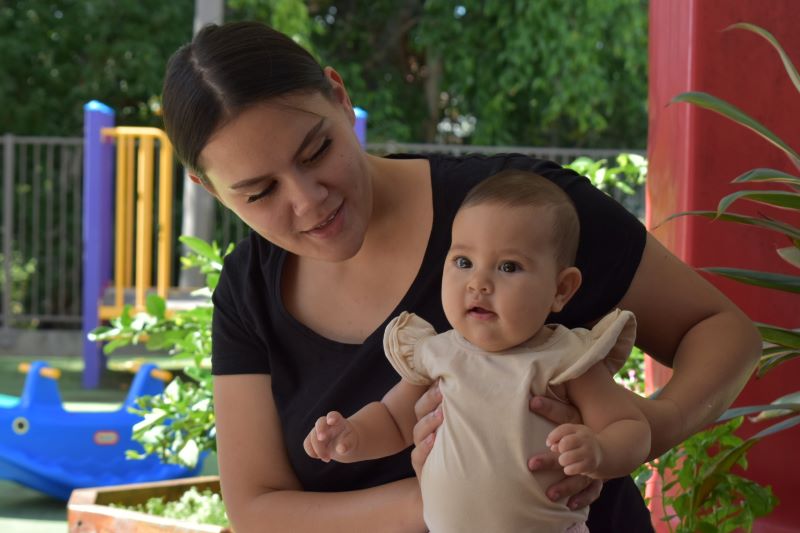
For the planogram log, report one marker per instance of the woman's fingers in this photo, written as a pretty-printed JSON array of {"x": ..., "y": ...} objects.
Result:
[
  {"x": 556, "y": 412},
  {"x": 544, "y": 461},
  {"x": 573, "y": 487},
  {"x": 429, "y": 417},
  {"x": 420, "y": 453},
  {"x": 428, "y": 401},
  {"x": 586, "y": 496}
]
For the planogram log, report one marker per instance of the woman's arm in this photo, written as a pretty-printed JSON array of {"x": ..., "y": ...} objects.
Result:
[
  {"x": 261, "y": 491},
  {"x": 686, "y": 323}
]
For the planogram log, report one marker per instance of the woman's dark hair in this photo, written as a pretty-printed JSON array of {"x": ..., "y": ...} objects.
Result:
[
  {"x": 224, "y": 70},
  {"x": 521, "y": 188}
]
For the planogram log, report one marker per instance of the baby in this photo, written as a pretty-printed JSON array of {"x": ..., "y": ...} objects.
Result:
[{"x": 510, "y": 265}]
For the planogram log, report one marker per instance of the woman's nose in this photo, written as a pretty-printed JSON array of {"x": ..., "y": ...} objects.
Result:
[{"x": 307, "y": 194}]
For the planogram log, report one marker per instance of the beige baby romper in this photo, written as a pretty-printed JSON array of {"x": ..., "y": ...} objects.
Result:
[{"x": 476, "y": 477}]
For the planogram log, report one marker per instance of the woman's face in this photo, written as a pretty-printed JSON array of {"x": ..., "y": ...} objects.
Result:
[{"x": 292, "y": 169}]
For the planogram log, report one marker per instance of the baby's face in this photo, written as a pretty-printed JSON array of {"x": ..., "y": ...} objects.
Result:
[{"x": 500, "y": 277}]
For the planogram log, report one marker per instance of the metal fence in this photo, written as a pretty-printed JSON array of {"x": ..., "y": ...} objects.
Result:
[{"x": 41, "y": 199}]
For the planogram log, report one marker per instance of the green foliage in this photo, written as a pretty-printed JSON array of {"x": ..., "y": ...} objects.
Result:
[
  {"x": 21, "y": 272},
  {"x": 628, "y": 175},
  {"x": 193, "y": 506},
  {"x": 289, "y": 16},
  {"x": 570, "y": 73},
  {"x": 59, "y": 55},
  {"x": 631, "y": 375},
  {"x": 522, "y": 73},
  {"x": 702, "y": 489},
  {"x": 178, "y": 425}
]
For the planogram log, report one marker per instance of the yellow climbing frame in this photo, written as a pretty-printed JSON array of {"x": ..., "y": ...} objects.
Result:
[{"x": 136, "y": 151}]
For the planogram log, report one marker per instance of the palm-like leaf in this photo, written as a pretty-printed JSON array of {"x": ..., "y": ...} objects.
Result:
[
  {"x": 712, "y": 103},
  {"x": 769, "y": 280},
  {"x": 766, "y": 223},
  {"x": 768, "y": 174},
  {"x": 787, "y": 62},
  {"x": 780, "y": 199}
]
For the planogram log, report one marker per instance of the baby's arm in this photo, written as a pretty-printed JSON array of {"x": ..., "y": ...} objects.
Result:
[
  {"x": 614, "y": 438},
  {"x": 377, "y": 430}
]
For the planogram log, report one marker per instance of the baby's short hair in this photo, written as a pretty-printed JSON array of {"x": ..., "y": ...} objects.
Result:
[{"x": 521, "y": 188}]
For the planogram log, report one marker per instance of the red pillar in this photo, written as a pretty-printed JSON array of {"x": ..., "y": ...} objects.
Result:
[{"x": 693, "y": 156}]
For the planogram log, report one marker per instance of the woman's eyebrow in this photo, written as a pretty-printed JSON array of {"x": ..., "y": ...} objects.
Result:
[{"x": 312, "y": 133}]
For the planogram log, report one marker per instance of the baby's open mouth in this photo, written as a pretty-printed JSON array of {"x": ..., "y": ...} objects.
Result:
[{"x": 479, "y": 311}]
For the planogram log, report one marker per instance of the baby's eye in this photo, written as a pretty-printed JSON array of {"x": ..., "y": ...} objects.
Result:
[
  {"x": 508, "y": 266},
  {"x": 462, "y": 262}
]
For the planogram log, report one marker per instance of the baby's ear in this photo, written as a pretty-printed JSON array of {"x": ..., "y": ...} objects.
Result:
[{"x": 567, "y": 283}]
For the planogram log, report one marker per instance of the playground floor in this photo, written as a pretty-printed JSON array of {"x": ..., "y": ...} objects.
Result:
[{"x": 23, "y": 510}]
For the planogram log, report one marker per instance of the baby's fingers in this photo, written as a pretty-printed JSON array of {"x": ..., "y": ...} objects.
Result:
[
  {"x": 559, "y": 433},
  {"x": 308, "y": 447},
  {"x": 321, "y": 429}
]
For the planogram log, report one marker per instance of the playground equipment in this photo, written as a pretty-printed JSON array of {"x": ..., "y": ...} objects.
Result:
[{"x": 54, "y": 450}]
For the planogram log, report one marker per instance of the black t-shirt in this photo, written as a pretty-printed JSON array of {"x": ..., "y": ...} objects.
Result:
[{"x": 311, "y": 375}]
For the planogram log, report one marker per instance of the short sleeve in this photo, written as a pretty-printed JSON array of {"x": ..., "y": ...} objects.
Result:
[
  {"x": 401, "y": 340},
  {"x": 610, "y": 340},
  {"x": 234, "y": 348}
]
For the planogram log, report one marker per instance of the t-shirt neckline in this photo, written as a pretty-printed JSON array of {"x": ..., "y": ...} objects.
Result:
[{"x": 436, "y": 225}]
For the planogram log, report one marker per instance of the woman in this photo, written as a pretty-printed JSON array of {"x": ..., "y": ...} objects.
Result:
[{"x": 342, "y": 241}]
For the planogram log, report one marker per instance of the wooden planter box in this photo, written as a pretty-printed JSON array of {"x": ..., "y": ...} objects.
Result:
[{"x": 88, "y": 510}]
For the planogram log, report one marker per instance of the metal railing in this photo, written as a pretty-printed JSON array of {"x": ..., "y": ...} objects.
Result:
[
  {"x": 41, "y": 231},
  {"x": 41, "y": 201}
]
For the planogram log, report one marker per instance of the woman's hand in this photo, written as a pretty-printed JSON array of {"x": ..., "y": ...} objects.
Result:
[
  {"x": 429, "y": 417},
  {"x": 581, "y": 490}
]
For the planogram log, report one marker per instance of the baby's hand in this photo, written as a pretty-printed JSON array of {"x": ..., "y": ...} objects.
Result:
[
  {"x": 332, "y": 437},
  {"x": 578, "y": 448}
]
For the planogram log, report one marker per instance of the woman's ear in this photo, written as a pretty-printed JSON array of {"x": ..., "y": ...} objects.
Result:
[
  {"x": 567, "y": 284},
  {"x": 340, "y": 92},
  {"x": 205, "y": 184}
]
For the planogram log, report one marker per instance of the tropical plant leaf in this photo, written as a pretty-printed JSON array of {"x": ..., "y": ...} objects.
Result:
[
  {"x": 768, "y": 174},
  {"x": 766, "y": 223},
  {"x": 769, "y": 280},
  {"x": 783, "y": 406},
  {"x": 776, "y": 428},
  {"x": 779, "y": 336},
  {"x": 781, "y": 199},
  {"x": 750, "y": 409},
  {"x": 723, "y": 462},
  {"x": 730, "y": 111},
  {"x": 790, "y": 254},
  {"x": 787, "y": 62},
  {"x": 200, "y": 247},
  {"x": 768, "y": 362}
]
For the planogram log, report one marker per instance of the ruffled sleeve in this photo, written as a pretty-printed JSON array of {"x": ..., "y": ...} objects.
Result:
[
  {"x": 401, "y": 341},
  {"x": 610, "y": 340}
]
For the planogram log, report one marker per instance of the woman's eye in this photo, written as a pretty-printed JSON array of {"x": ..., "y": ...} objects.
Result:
[
  {"x": 322, "y": 149},
  {"x": 508, "y": 266},
  {"x": 462, "y": 262},
  {"x": 265, "y": 192}
]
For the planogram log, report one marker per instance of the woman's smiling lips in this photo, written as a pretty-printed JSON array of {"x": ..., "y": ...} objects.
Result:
[{"x": 330, "y": 226}]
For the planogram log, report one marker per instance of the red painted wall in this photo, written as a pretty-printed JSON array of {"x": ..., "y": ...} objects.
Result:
[{"x": 693, "y": 156}]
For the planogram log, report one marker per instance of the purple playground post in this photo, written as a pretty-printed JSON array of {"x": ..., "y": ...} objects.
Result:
[
  {"x": 361, "y": 125},
  {"x": 98, "y": 204}
]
